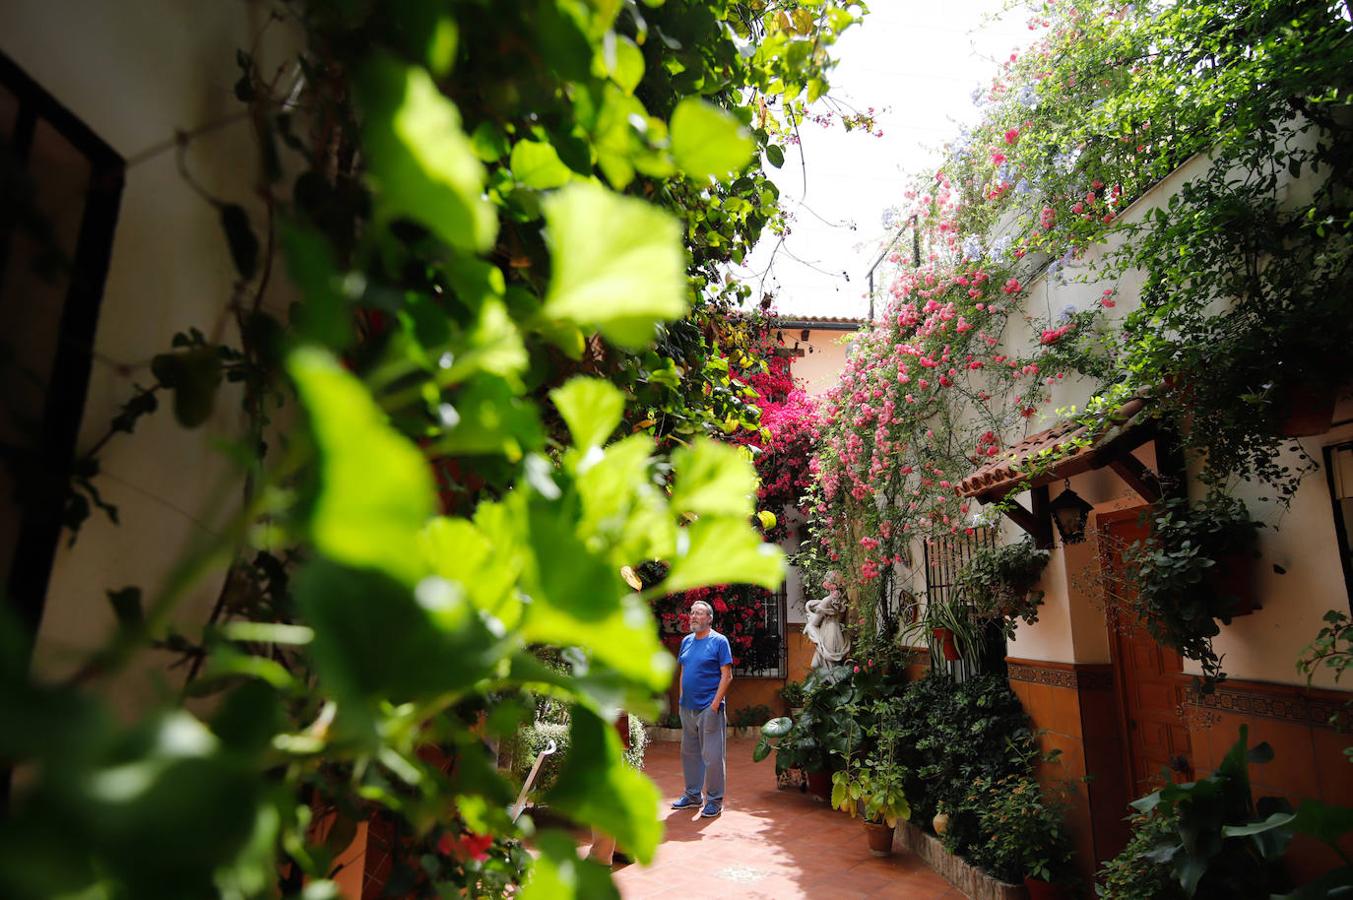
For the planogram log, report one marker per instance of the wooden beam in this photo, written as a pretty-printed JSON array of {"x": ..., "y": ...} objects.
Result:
[
  {"x": 1039, "y": 528},
  {"x": 1138, "y": 477},
  {"x": 1042, "y": 517}
]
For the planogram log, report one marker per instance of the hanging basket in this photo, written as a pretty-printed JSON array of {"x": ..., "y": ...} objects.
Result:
[
  {"x": 946, "y": 638},
  {"x": 1308, "y": 408}
]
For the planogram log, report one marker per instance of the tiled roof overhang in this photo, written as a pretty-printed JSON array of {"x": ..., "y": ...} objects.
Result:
[{"x": 1018, "y": 469}]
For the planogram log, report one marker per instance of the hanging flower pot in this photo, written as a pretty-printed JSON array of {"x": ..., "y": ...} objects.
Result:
[
  {"x": 1233, "y": 576},
  {"x": 880, "y": 835},
  {"x": 1307, "y": 409},
  {"x": 946, "y": 638}
]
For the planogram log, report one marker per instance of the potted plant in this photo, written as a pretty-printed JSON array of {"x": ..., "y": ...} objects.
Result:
[
  {"x": 873, "y": 783},
  {"x": 950, "y": 628},
  {"x": 822, "y": 738},
  {"x": 793, "y": 696},
  {"x": 999, "y": 582},
  {"x": 746, "y": 718},
  {"x": 1022, "y": 835},
  {"x": 1193, "y": 571}
]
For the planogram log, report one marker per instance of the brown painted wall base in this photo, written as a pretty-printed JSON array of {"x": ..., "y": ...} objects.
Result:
[
  {"x": 1077, "y": 712},
  {"x": 969, "y": 879}
]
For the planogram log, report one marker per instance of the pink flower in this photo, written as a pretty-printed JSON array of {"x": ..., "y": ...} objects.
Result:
[
  {"x": 1011, "y": 136},
  {"x": 1012, "y": 286}
]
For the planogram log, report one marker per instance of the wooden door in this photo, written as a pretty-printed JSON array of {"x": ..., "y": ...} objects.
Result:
[{"x": 1150, "y": 681}]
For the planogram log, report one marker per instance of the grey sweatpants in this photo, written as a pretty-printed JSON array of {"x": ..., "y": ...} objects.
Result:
[{"x": 702, "y": 753}]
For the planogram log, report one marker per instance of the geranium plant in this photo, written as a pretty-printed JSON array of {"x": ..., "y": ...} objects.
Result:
[{"x": 999, "y": 583}]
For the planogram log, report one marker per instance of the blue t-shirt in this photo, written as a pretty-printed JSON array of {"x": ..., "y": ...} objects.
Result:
[{"x": 700, "y": 663}]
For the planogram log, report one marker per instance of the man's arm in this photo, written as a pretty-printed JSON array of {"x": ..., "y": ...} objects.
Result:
[
  {"x": 681, "y": 691},
  {"x": 725, "y": 679}
]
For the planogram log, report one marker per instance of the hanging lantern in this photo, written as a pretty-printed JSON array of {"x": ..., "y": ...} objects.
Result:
[{"x": 1071, "y": 514}]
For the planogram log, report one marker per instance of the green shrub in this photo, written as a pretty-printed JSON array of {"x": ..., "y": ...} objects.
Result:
[
  {"x": 792, "y": 693},
  {"x": 1019, "y": 833},
  {"x": 1132, "y": 875},
  {"x": 954, "y": 734},
  {"x": 751, "y": 716},
  {"x": 536, "y": 737}
]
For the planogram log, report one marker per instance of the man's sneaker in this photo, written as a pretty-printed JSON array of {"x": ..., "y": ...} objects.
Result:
[
  {"x": 686, "y": 803},
  {"x": 711, "y": 810}
]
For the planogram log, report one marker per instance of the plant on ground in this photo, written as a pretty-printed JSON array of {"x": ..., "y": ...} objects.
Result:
[
  {"x": 750, "y": 716},
  {"x": 531, "y": 739},
  {"x": 1133, "y": 874},
  {"x": 1021, "y": 834},
  {"x": 874, "y": 776},
  {"x": 954, "y": 733},
  {"x": 1224, "y": 843},
  {"x": 1332, "y": 649},
  {"x": 792, "y": 693}
]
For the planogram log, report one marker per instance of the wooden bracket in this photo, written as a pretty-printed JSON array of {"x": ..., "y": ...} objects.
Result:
[
  {"x": 1137, "y": 476},
  {"x": 1037, "y": 523}
]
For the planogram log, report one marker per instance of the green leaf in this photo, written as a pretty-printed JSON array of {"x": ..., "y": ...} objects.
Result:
[
  {"x": 537, "y": 166},
  {"x": 375, "y": 639},
  {"x": 723, "y": 551},
  {"x": 490, "y": 419},
  {"x": 775, "y": 155},
  {"x": 578, "y": 597},
  {"x": 374, "y": 490},
  {"x": 558, "y": 873},
  {"x": 597, "y": 788},
  {"x": 460, "y": 552},
  {"x": 627, "y": 69},
  {"x": 492, "y": 345},
  {"x": 421, "y": 163},
  {"x": 713, "y": 479},
  {"x": 323, "y": 316},
  {"x": 591, "y": 408},
  {"x": 708, "y": 142},
  {"x": 777, "y": 728},
  {"x": 617, "y": 263},
  {"x": 761, "y": 750},
  {"x": 1323, "y": 821},
  {"x": 488, "y": 142}
]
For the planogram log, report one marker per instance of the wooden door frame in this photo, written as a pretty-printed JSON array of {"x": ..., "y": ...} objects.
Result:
[{"x": 1116, "y": 661}]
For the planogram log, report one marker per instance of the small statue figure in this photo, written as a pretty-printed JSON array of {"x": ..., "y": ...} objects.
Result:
[{"x": 824, "y": 629}]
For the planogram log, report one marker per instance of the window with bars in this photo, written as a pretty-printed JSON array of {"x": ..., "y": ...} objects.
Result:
[
  {"x": 945, "y": 557},
  {"x": 765, "y": 658}
]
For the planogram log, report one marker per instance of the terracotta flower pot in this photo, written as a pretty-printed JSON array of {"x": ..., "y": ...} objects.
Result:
[
  {"x": 1233, "y": 575},
  {"x": 1307, "y": 409},
  {"x": 880, "y": 835},
  {"x": 940, "y": 823},
  {"x": 820, "y": 785},
  {"x": 1043, "y": 890},
  {"x": 946, "y": 638}
]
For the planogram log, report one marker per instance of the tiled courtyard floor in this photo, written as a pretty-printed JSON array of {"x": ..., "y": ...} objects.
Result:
[{"x": 767, "y": 844}]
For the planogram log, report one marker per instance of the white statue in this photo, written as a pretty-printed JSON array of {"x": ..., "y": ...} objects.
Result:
[{"x": 824, "y": 629}]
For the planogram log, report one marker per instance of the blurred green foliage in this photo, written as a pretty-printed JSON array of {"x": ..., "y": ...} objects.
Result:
[{"x": 504, "y": 222}]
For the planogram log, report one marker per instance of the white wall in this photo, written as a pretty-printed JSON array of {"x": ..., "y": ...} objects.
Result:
[
  {"x": 1263, "y": 646},
  {"x": 137, "y": 72}
]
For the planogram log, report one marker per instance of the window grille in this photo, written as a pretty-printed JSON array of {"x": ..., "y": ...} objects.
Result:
[
  {"x": 765, "y": 658},
  {"x": 945, "y": 557}
]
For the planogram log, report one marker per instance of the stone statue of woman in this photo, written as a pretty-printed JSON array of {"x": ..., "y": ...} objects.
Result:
[{"x": 824, "y": 629}]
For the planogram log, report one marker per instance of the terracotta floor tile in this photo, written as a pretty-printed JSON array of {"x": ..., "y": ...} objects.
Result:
[{"x": 768, "y": 845}]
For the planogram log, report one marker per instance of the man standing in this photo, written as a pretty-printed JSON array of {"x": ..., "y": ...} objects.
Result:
[{"x": 706, "y": 663}]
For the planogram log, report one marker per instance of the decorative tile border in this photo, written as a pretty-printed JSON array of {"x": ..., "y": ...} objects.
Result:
[
  {"x": 1316, "y": 712},
  {"x": 1072, "y": 676}
]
